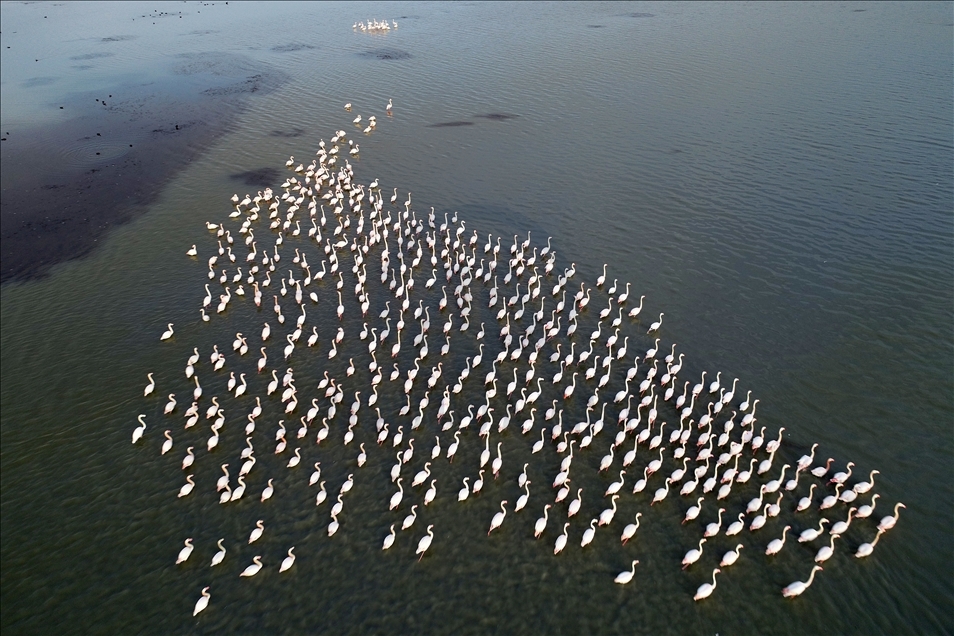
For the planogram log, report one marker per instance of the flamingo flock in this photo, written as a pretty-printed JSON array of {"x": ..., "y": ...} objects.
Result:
[
  {"x": 375, "y": 26},
  {"x": 478, "y": 349}
]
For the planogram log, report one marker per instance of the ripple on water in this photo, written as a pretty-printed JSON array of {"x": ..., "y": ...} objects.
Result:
[{"x": 89, "y": 150}]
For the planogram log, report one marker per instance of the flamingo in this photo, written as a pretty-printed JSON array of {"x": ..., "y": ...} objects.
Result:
[
  {"x": 625, "y": 577},
  {"x": 203, "y": 601},
  {"x": 424, "y": 543},
  {"x": 731, "y": 557},
  {"x": 865, "y": 549},
  {"x": 288, "y": 561},
  {"x": 185, "y": 552},
  {"x": 889, "y": 521},
  {"x": 498, "y": 518},
  {"x": 796, "y": 588},
  {"x": 630, "y": 529},
  {"x": 562, "y": 539},
  {"x": 253, "y": 569},
  {"x": 693, "y": 555},
  {"x": 706, "y": 589}
]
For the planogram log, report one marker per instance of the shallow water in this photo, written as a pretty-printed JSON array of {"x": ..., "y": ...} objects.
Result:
[{"x": 776, "y": 179}]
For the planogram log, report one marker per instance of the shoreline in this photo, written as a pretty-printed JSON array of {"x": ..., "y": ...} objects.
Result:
[{"x": 59, "y": 198}]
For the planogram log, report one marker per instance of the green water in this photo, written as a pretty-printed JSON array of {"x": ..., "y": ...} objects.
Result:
[{"x": 777, "y": 180}]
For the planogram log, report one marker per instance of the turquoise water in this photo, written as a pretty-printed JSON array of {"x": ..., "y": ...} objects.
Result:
[{"x": 776, "y": 179}]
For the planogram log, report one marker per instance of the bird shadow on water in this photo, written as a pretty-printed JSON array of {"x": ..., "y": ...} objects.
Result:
[
  {"x": 451, "y": 124},
  {"x": 292, "y": 47},
  {"x": 497, "y": 116}
]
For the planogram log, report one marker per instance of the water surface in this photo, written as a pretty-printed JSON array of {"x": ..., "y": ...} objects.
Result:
[{"x": 777, "y": 179}]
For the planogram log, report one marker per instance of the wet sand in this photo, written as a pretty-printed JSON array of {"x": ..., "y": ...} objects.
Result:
[{"x": 65, "y": 186}]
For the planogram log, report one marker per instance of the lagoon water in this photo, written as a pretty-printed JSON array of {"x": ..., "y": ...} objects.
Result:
[{"x": 778, "y": 179}]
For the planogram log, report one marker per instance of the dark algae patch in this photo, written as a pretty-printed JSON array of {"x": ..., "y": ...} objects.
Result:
[
  {"x": 289, "y": 48},
  {"x": 91, "y": 56},
  {"x": 288, "y": 134},
  {"x": 38, "y": 81},
  {"x": 386, "y": 54},
  {"x": 262, "y": 177}
]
